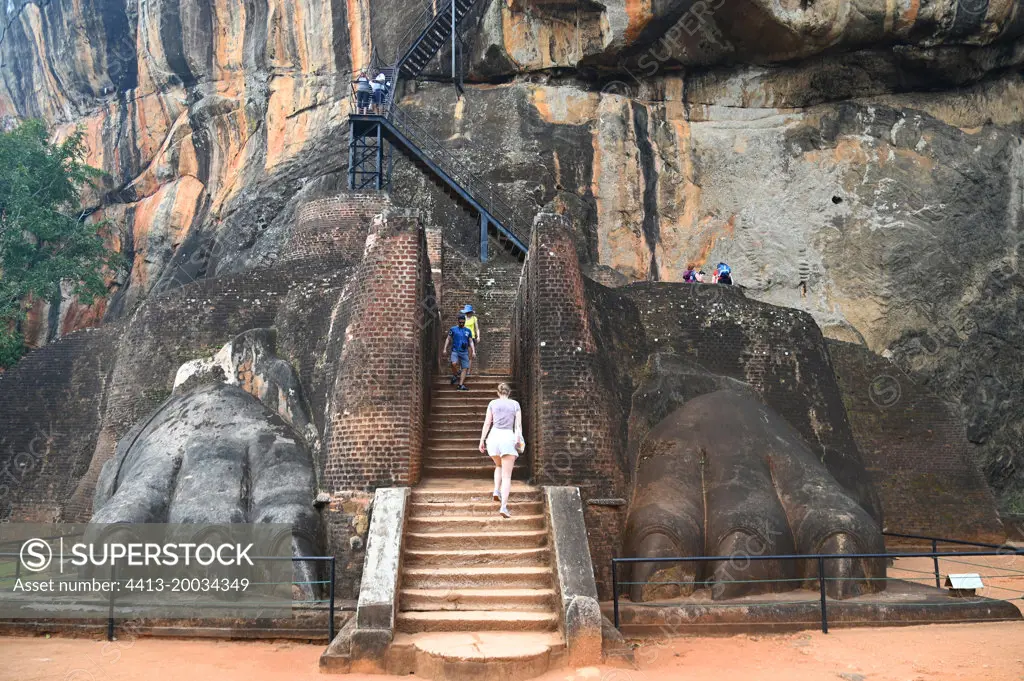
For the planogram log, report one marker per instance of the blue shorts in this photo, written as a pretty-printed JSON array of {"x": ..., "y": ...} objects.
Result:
[{"x": 461, "y": 358}]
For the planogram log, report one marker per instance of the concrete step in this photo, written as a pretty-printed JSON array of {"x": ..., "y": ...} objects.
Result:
[
  {"x": 476, "y": 541},
  {"x": 514, "y": 577},
  {"x": 534, "y": 557},
  {"x": 451, "y": 448},
  {"x": 468, "y": 470},
  {"x": 495, "y": 656},
  {"x": 458, "y": 407},
  {"x": 477, "y": 620},
  {"x": 457, "y": 432},
  {"x": 429, "y": 600},
  {"x": 443, "y": 385},
  {"x": 472, "y": 508},
  {"x": 472, "y": 491},
  {"x": 475, "y": 523},
  {"x": 464, "y": 412},
  {"x": 443, "y": 393},
  {"x": 470, "y": 458}
]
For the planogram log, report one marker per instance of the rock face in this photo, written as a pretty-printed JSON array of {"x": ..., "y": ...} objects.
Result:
[{"x": 862, "y": 162}]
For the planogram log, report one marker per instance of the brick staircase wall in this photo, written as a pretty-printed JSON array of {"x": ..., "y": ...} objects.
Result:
[
  {"x": 376, "y": 430},
  {"x": 491, "y": 289},
  {"x": 567, "y": 390},
  {"x": 51, "y": 404},
  {"x": 333, "y": 229}
]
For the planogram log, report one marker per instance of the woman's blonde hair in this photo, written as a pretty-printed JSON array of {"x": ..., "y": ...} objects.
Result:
[{"x": 504, "y": 389}]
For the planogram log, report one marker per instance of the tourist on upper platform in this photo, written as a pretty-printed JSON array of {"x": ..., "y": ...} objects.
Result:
[
  {"x": 380, "y": 91},
  {"x": 460, "y": 339},
  {"x": 723, "y": 274},
  {"x": 502, "y": 440},
  {"x": 364, "y": 93},
  {"x": 690, "y": 275},
  {"x": 699, "y": 277}
]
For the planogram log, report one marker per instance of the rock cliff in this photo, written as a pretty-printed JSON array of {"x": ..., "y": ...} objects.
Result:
[{"x": 861, "y": 161}]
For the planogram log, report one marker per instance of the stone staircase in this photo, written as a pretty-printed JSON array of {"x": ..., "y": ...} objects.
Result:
[
  {"x": 453, "y": 430},
  {"x": 477, "y": 596},
  {"x": 491, "y": 288}
]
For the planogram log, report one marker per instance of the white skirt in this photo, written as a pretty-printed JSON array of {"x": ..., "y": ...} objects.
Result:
[{"x": 501, "y": 442}]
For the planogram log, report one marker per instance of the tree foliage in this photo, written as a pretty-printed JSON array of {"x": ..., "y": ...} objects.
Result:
[{"x": 44, "y": 238}]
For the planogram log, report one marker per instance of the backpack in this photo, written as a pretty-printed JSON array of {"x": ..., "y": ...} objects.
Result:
[{"x": 724, "y": 269}]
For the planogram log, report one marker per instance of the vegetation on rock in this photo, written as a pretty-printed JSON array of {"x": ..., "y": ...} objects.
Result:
[{"x": 45, "y": 240}]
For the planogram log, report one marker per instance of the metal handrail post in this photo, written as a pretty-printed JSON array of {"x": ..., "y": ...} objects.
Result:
[
  {"x": 615, "y": 594},
  {"x": 824, "y": 607},
  {"x": 935, "y": 550},
  {"x": 110, "y": 611},
  {"x": 330, "y": 616}
]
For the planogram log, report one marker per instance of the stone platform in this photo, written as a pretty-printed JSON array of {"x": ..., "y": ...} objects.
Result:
[
  {"x": 901, "y": 604},
  {"x": 497, "y": 656}
]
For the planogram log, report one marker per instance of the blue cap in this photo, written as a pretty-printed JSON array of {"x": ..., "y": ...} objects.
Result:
[{"x": 468, "y": 308}]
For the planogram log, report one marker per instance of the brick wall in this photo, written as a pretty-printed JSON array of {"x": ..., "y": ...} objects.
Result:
[
  {"x": 491, "y": 289},
  {"x": 574, "y": 428},
  {"x": 376, "y": 431},
  {"x": 916, "y": 451},
  {"x": 333, "y": 229},
  {"x": 50, "y": 407}
]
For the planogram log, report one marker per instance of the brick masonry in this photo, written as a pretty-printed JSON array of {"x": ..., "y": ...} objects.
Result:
[
  {"x": 571, "y": 421},
  {"x": 50, "y": 407},
  {"x": 376, "y": 431},
  {"x": 491, "y": 289},
  {"x": 916, "y": 451},
  {"x": 333, "y": 229}
]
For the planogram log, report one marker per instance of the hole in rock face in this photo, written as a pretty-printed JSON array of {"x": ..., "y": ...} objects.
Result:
[{"x": 837, "y": 200}]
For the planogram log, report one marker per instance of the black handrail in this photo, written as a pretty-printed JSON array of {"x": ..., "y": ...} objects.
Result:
[
  {"x": 482, "y": 191},
  {"x": 819, "y": 557}
]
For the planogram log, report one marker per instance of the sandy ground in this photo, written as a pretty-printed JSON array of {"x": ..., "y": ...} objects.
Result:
[
  {"x": 975, "y": 652},
  {"x": 978, "y": 652}
]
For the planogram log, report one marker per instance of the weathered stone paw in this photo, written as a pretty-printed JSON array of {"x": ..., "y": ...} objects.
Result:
[{"x": 724, "y": 475}]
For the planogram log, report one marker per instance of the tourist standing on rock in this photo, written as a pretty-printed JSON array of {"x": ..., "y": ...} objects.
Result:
[
  {"x": 500, "y": 439},
  {"x": 364, "y": 93},
  {"x": 473, "y": 324},
  {"x": 460, "y": 339},
  {"x": 690, "y": 275}
]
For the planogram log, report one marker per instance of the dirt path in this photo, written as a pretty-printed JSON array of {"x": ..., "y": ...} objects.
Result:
[{"x": 979, "y": 652}]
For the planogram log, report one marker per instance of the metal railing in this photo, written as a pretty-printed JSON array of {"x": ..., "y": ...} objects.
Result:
[
  {"x": 819, "y": 559},
  {"x": 330, "y": 601},
  {"x": 458, "y": 169}
]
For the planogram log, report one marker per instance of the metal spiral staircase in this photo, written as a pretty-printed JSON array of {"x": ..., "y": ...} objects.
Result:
[{"x": 374, "y": 135}]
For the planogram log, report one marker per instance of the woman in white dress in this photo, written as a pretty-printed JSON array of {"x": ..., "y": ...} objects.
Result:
[{"x": 503, "y": 430}]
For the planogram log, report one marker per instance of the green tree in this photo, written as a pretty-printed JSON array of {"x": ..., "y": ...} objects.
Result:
[{"x": 44, "y": 238}]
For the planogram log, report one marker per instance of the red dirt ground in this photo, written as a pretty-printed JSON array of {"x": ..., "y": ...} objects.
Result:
[{"x": 974, "y": 652}]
